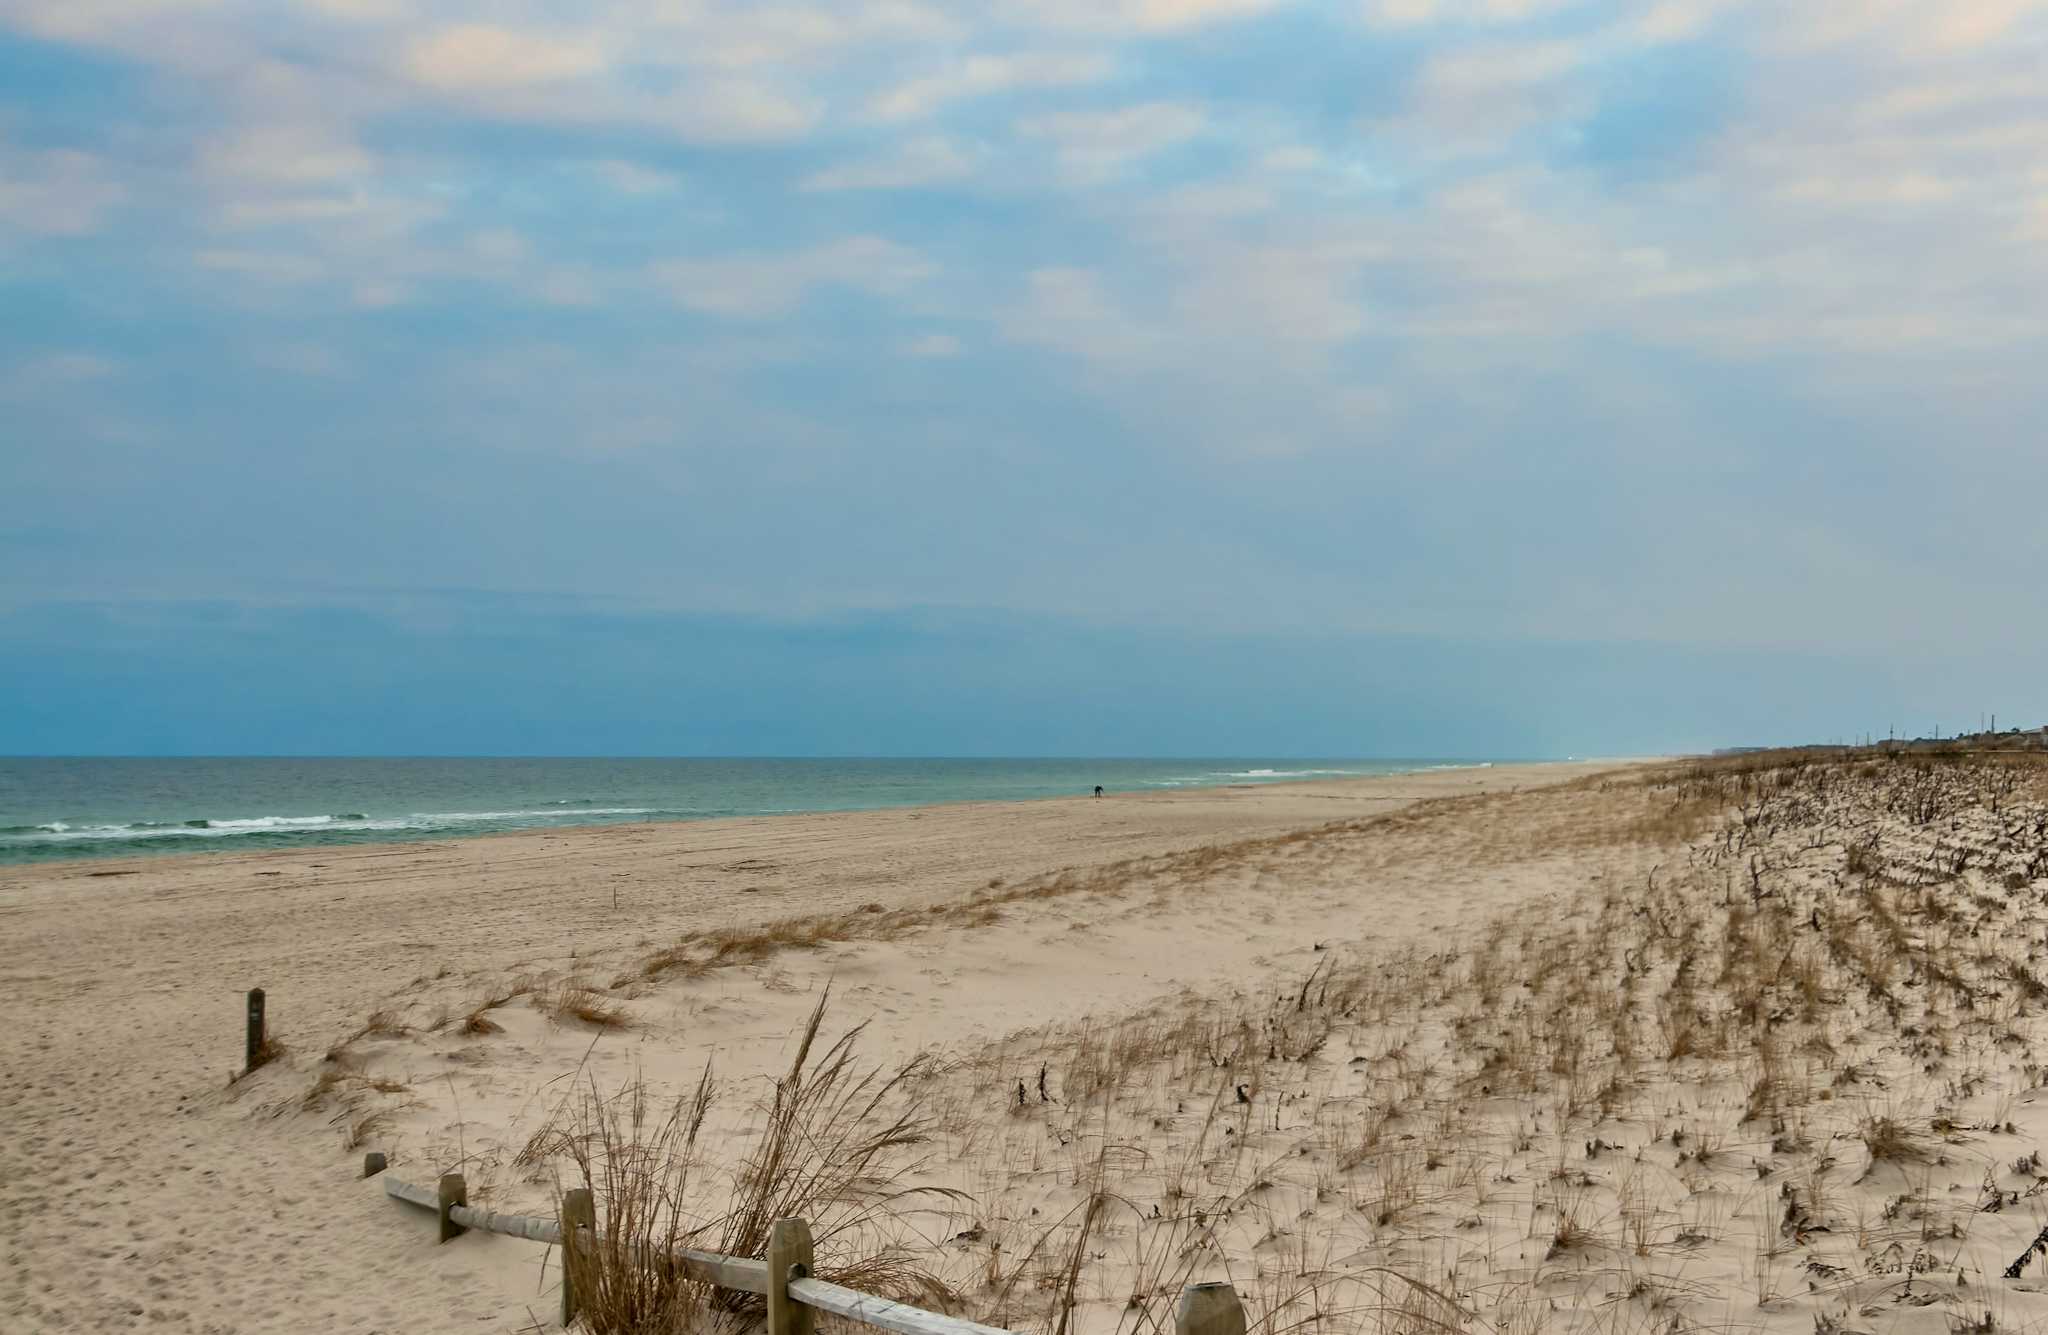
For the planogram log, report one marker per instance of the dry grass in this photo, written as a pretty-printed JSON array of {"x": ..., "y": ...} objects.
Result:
[
  {"x": 1654, "y": 1073},
  {"x": 836, "y": 1148},
  {"x": 579, "y": 1001}
]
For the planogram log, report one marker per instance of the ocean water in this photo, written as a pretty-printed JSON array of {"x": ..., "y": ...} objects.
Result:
[{"x": 71, "y": 807}]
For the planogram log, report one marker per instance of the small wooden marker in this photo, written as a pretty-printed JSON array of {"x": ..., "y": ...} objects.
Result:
[
  {"x": 1209, "y": 1309},
  {"x": 579, "y": 1211},
  {"x": 252, "y": 1056},
  {"x": 453, "y": 1192},
  {"x": 789, "y": 1257},
  {"x": 374, "y": 1163}
]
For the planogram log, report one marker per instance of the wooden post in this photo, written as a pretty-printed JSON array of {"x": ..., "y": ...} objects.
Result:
[
  {"x": 453, "y": 1192},
  {"x": 374, "y": 1163},
  {"x": 579, "y": 1211},
  {"x": 1209, "y": 1309},
  {"x": 253, "y": 1050},
  {"x": 789, "y": 1257}
]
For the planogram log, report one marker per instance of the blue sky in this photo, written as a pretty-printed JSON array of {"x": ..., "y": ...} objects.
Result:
[{"x": 1141, "y": 376}]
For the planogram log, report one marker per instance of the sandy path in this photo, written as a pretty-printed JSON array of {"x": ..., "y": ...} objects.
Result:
[{"x": 144, "y": 1191}]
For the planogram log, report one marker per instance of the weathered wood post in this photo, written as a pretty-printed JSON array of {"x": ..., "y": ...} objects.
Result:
[
  {"x": 1209, "y": 1309},
  {"x": 789, "y": 1257},
  {"x": 453, "y": 1192},
  {"x": 374, "y": 1163},
  {"x": 252, "y": 1056},
  {"x": 579, "y": 1211}
]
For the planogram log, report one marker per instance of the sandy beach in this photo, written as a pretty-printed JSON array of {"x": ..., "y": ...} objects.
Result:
[
  {"x": 146, "y": 1189},
  {"x": 1529, "y": 1037}
]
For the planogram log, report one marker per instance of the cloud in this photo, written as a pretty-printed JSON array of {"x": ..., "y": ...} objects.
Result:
[
  {"x": 1068, "y": 307},
  {"x": 1906, "y": 27},
  {"x": 758, "y": 286},
  {"x": 922, "y": 161},
  {"x": 56, "y": 192},
  {"x": 45, "y": 371},
  {"x": 933, "y": 346},
  {"x": 286, "y": 155},
  {"x": 1488, "y": 70},
  {"x": 1095, "y": 144},
  {"x": 378, "y": 294},
  {"x": 364, "y": 11},
  {"x": 1139, "y": 16},
  {"x": 300, "y": 358},
  {"x": 267, "y": 267},
  {"x": 632, "y": 178},
  {"x": 90, "y": 20},
  {"x": 1417, "y": 13},
  {"x": 474, "y": 57},
  {"x": 980, "y": 76}
]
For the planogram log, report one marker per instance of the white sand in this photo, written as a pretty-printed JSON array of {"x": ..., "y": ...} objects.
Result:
[
  {"x": 1457, "y": 1113},
  {"x": 141, "y": 1188}
]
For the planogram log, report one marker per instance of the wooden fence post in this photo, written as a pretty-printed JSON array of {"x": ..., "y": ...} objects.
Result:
[
  {"x": 453, "y": 1192},
  {"x": 789, "y": 1257},
  {"x": 1209, "y": 1309},
  {"x": 579, "y": 1210},
  {"x": 252, "y": 1056}
]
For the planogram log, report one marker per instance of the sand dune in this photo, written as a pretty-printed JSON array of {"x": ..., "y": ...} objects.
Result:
[
  {"x": 1743, "y": 1045},
  {"x": 147, "y": 1189}
]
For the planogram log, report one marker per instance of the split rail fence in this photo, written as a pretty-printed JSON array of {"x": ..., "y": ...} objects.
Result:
[{"x": 783, "y": 1276}]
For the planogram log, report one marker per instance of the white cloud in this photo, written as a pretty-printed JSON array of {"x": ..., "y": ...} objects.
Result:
[
  {"x": 933, "y": 346},
  {"x": 363, "y": 11},
  {"x": 1067, "y": 307},
  {"x": 922, "y": 161},
  {"x": 567, "y": 286},
  {"x": 475, "y": 57},
  {"x": 1679, "y": 20},
  {"x": 1415, "y": 13},
  {"x": 979, "y": 76},
  {"x": 72, "y": 20},
  {"x": 1481, "y": 71},
  {"x": 1285, "y": 293},
  {"x": 1136, "y": 16},
  {"x": 1969, "y": 23},
  {"x": 758, "y": 286},
  {"x": 56, "y": 192},
  {"x": 53, "y": 370},
  {"x": 631, "y": 178},
  {"x": 1292, "y": 158},
  {"x": 499, "y": 246},
  {"x": 378, "y": 294},
  {"x": 267, "y": 267},
  {"x": 286, "y": 154},
  {"x": 313, "y": 360},
  {"x": 1095, "y": 144}
]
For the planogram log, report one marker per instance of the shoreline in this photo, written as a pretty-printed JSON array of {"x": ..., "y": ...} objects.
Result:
[
  {"x": 129, "y": 1137},
  {"x": 122, "y": 863}
]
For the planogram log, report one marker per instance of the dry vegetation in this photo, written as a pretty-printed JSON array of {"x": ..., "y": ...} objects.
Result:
[
  {"x": 834, "y": 1146},
  {"x": 1771, "y": 1068}
]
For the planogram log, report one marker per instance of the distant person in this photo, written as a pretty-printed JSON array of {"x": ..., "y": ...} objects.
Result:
[{"x": 1098, "y": 790}]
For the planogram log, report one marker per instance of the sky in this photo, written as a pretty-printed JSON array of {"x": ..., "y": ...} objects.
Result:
[{"x": 1093, "y": 377}]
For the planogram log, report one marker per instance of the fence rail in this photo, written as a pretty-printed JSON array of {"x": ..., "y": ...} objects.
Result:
[{"x": 1205, "y": 1309}]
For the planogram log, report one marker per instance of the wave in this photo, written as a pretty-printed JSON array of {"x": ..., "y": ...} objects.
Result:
[
  {"x": 63, "y": 832},
  {"x": 1280, "y": 773}
]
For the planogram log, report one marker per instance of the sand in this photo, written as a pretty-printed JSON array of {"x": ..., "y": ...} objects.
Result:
[
  {"x": 1536, "y": 1086},
  {"x": 143, "y": 1188}
]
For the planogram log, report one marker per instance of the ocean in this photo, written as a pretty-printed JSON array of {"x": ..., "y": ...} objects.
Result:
[{"x": 72, "y": 807}]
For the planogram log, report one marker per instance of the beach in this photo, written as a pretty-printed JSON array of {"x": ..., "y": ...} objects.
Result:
[
  {"x": 147, "y": 1187},
  {"x": 1323, "y": 1032}
]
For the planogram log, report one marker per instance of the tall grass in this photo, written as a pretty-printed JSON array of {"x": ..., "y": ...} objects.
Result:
[{"x": 836, "y": 1147}]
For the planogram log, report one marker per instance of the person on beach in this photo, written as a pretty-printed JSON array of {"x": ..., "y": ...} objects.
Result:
[{"x": 1098, "y": 790}]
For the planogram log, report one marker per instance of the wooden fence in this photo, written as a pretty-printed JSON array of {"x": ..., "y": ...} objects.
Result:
[{"x": 783, "y": 1277}]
